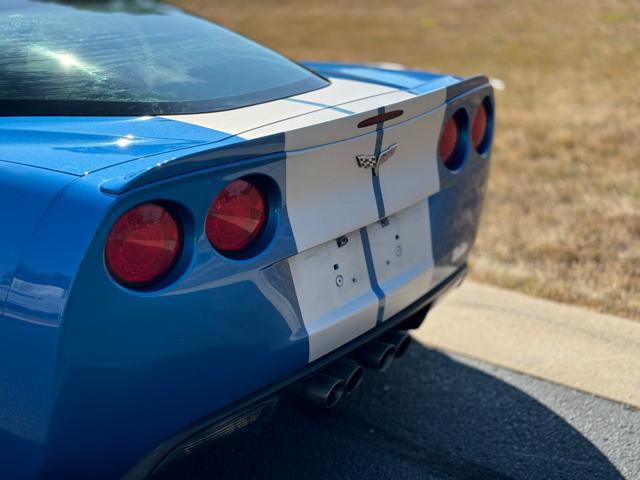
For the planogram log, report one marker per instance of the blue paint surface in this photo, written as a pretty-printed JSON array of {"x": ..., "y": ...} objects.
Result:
[
  {"x": 373, "y": 279},
  {"x": 148, "y": 170},
  {"x": 76, "y": 145},
  {"x": 413, "y": 80},
  {"x": 377, "y": 188},
  {"x": 24, "y": 365},
  {"x": 316, "y": 104},
  {"x": 455, "y": 213},
  {"x": 216, "y": 331},
  {"x": 456, "y": 209}
]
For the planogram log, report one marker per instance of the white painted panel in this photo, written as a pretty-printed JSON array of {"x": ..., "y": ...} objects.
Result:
[
  {"x": 343, "y": 125},
  {"x": 372, "y": 103},
  {"x": 334, "y": 311},
  {"x": 235, "y": 122},
  {"x": 332, "y": 125},
  {"x": 332, "y": 283},
  {"x": 418, "y": 105},
  {"x": 403, "y": 256},
  {"x": 308, "y": 125},
  {"x": 412, "y": 173},
  {"x": 305, "y": 130},
  {"x": 343, "y": 90},
  {"x": 240, "y": 120},
  {"x": 328, "y": 195},
  {"x": 411, "y": 104}
]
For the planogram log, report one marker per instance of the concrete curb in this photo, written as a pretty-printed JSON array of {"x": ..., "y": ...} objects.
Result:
[{"x": 572, "y": 346}]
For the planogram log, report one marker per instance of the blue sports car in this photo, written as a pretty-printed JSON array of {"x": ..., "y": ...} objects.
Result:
[{"x": 194, "y": 224}]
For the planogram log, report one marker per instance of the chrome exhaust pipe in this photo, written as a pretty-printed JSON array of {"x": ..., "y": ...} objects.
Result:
[
  {"x": 400, "y": 339},
  {"x": 376, "y": 354},
  {"x": 323, "y": 390},
  {"x": 349, "y": 371}
]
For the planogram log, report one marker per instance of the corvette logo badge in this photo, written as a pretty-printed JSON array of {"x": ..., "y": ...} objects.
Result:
[{"x": 373, "y": 162}]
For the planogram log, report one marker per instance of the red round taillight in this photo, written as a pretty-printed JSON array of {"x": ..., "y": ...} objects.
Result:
[
  {"x": 142, "y": 245},
  {"x": 449, "y": 142},
  {"x": 479, "y": 127},
  {"x": 236, "y": 217}
]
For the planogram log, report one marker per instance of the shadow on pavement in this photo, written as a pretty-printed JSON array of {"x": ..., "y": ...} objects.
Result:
[{"x": 442, "y": 420}]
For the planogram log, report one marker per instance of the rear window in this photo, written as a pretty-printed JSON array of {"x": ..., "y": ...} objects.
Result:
[{"x": 132, "y": 57}]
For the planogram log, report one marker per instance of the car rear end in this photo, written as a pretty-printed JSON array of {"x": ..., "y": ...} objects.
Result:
[
  {"x": 284, "y": 255},
  {"x": 165, "y": 297}
]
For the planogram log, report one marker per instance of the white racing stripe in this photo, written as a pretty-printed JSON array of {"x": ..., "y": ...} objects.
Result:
[
  {"x": 344, "y": 291},
  {"x": 235, "y": 122},
  {"x": 403, "y": 257},
  {"x": 412, "y": 173},
  {"x": 304, "y": 130},
  {"x": 327, "y": 194},
  {"x": 342, "y": 91},
  {"x": 334, "y": 293},
  {"x": 242, "y": 120},
  {"x": 323, "y": 126},
  {"x": 333, "y": 283}
]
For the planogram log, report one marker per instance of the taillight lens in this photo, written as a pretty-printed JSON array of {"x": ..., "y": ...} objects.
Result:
[
  {"x": 142, "y": 245},
  {"x": 449, "y": 142},
  {"x": 236, "y": 217},
  {"x": 479, "y": 127}
]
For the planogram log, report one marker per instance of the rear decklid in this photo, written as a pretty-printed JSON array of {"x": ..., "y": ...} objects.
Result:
[
  {"x": 362, "y": 243},
  {"x": 78, "y": 145},
  {"x": 309, "y": 121},
  {"x": 368, "y": 240}
]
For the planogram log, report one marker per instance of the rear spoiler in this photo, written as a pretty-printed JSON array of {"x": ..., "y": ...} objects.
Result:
[{"x": 270, "y": 147}]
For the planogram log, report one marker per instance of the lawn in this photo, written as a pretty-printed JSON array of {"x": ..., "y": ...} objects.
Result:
[{"x": 562, "y": 218}]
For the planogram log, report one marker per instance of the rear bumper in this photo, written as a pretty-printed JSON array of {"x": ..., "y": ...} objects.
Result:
[{"x": 265, "y": 398}]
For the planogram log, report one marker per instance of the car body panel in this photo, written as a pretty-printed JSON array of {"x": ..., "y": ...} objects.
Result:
[
  {"x": 96, "y": 360},
  {"x": 81, "y": 145},
  {"x": 391, "y": 75},
  {"x": 27, "y": 353}
]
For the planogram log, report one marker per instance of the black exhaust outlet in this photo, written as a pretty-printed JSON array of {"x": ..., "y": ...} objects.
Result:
[
  {"x": 349, "y": 371},
  {"x": 400, "y": 339},
  {"x": 376, "y": 354},
  {"x": 323, "y": 390}
]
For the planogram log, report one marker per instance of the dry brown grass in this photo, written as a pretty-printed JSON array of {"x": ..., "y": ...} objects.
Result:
[{"x": 563, "y": 212}]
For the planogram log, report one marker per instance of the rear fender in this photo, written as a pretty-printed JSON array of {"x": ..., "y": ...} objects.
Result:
[
  {"x": 163, "y": 357},
  {"x": 27, "y": 339}
]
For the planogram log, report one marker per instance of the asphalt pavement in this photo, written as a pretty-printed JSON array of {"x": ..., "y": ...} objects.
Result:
[
  {"x": 434, "y": 415},
  {"x": 565, "y": 344}
]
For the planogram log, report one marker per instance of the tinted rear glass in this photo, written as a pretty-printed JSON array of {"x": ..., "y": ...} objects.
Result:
[{"x": 135, "y": 57}]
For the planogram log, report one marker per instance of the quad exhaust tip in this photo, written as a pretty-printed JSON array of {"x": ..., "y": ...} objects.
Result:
[
  {"x": 344, "y": 376},
  {"x": 400, "y": 339},
  {"x": 323, "y": 390},
  {"x": 349, "y": 371},
  {"x": 376, "y": 355}
]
